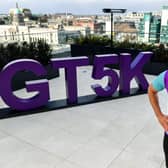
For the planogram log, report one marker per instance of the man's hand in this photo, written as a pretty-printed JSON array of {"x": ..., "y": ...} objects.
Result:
[{"x": 163, "y": 119}]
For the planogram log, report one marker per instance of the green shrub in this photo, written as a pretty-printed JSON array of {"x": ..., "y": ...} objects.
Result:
[
  {"x": 43, "y": 52},
  {"x": 160, "y": 52},
  {"x": 39, "y": 51},
  {"x": 93, "y": 40}
]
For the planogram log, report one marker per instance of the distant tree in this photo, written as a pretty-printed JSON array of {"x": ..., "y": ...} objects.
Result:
[
  {"x": 34, "y": 17},
  {"x": 44, "y": 19}
]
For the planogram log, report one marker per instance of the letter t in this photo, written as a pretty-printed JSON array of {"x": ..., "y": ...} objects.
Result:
[{"x": 70, "y": 65}]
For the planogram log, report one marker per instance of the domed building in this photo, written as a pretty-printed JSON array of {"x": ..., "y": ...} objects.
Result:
[
  {"x": 27, "y": 13},
  {"x": 16, "y": 16}
]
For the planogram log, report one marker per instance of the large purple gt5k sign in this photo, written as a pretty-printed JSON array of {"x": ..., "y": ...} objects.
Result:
[{"x": 128, "y": 70}]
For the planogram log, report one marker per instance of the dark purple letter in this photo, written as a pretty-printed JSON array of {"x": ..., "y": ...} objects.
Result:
[
  {"x": 39, "y": 85},
  {"x": 166, "y": 80},
  {"x": 70, "y": 65},
  {"x": 129, "y": 70},
  {"x": 99, "y": 72}
]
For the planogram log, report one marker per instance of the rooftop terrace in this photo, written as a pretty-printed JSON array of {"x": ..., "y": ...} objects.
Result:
[{"x": 121, "y": 133}]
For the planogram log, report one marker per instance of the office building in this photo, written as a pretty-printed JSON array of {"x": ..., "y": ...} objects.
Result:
[
  {"x": 164, "y": 25},
  {"x": 149, "y": 28}
]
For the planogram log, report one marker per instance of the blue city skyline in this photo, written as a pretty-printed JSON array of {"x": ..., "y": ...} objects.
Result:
[{"x": 82, "y": 7}]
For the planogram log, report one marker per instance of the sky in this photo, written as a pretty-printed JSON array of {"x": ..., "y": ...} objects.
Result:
[{"x": 81, "y": 6}]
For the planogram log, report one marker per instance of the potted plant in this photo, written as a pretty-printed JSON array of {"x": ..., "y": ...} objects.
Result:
[
  {"x": 92, "y": 45},
  {"x": 89, "y": 46}
]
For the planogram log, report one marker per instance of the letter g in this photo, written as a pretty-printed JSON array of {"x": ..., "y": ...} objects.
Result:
[{"x": 41, "y": 86}]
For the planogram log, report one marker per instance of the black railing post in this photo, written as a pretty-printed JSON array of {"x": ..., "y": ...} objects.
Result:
[{"x": 111, "y": 29}]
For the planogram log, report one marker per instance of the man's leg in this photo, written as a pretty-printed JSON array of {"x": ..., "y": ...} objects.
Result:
[{"x": 165, "y": 147}]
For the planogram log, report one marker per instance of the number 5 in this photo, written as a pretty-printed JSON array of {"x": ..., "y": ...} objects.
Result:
[{"x": 99, "y": 72}]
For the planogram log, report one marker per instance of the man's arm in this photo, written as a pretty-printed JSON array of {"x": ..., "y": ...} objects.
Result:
[{"x": 154, "y": 100}]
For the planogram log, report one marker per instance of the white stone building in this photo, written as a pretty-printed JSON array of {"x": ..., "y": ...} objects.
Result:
[{"x": 13, "y": 33}]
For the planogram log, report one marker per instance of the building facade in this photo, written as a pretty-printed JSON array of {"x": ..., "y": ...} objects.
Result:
[
  {"x": 13, "y": 33},
  {"x": 164, "y": 25},
  {"x": 149, "y": 29},
  {"x": 125, "y": 31},
  {"x": 133, "y": 17},
  {"x": 85, "y": 22},
  {"x": 16, "y": 16}
]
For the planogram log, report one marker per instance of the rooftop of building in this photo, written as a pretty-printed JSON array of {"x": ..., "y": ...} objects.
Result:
[{"x": 125, "y": 27}]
